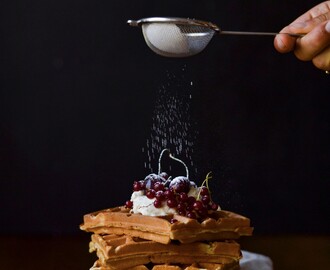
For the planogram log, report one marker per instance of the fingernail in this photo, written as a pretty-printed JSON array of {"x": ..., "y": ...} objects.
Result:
[
  {"x": 280, "y": 43},
  {"x": 327, "y": 27}
]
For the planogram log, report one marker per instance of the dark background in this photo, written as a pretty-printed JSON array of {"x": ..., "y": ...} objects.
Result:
[{"x": 78, "y": 88}]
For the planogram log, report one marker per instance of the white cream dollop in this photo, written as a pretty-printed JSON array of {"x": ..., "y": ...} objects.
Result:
[{"x": 145, "y": 206}]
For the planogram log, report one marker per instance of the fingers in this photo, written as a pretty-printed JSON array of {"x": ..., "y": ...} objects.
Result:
[
  {"x": 322, "y": 60},
  {"x": 313, "y": 43}
]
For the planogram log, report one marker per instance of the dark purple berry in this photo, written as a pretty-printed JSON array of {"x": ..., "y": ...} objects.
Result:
[
  {"x": 164, "y": 175},
  {"x": 180, "y": 184}
]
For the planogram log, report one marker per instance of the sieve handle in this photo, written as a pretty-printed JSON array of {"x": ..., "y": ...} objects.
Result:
[{"x": 257, "y": 33}]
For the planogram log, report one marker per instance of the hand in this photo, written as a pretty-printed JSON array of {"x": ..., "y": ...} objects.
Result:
[{"x": 315, "y": 44}]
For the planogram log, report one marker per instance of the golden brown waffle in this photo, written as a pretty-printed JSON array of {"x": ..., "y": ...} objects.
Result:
[
  {"x": 195, "y": 266},
  {"x": 123, "y": 252},
  {"x": 222, "y": 225}
]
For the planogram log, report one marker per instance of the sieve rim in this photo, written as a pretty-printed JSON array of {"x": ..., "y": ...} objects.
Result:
[{"x": 176, "y": 20}]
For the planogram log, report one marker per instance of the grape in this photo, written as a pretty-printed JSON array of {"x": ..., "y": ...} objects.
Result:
[{"x": 180, "y": 184}]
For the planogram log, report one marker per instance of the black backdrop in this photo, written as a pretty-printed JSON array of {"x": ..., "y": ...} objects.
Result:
[{"x": 78, "y": 89}]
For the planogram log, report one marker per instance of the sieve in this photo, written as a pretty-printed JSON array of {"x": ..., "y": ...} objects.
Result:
[{"x": 180, "y": 37}]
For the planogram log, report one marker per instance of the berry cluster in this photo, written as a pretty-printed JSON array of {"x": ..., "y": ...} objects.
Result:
[{"x": 174, "y": 194}]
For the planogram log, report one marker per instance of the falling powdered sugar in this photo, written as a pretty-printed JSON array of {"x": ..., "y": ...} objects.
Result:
[{"x": 172, "y": 126}]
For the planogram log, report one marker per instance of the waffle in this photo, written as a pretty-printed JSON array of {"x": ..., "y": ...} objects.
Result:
[
  {"x": 221, "y": 225},
  {"x": 125, "y": 252},
  {"x": 195, "y": 266}
]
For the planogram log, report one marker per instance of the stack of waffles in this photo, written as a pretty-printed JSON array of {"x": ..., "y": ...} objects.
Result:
[{"x": 123, "y": 240}]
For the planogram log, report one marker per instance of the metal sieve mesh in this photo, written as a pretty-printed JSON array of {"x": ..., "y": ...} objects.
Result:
[{"x": 176, "y": 40}]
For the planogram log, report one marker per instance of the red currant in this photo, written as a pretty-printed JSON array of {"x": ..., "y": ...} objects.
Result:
[
  {"x": 157, "y": 203},
  {"x": 204, "y": 191},
  {"x": 173, "y": 220},
  {"x": 191, "y": 214},
  {"x": 214, "y": 206},
  {"x": 183, "y": 197},
  {"x": 129, "y": 204},
  {"x": 169, "y": 194},
  {"x": 151, "y": 194},
  {"x": 158, "y": 186},
  {"x": 160, "y": 195},
  {"x": 206, "y": 199},
  {"x": 172, "y": 203},
  {"x": 136, "y": 186},
  {"x": 198, "y": 205}
]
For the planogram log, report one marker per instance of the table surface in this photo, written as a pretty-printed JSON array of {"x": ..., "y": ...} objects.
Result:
[{"x": 71, "y": 252}]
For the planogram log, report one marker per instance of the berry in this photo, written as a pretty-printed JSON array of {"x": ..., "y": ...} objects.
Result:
[
  {"x": 151, "y": 179},
  {"x": 164, "y": 175},
  {"x": 183, "y": 197},
  {"x": 129, "y": 204},
  {"x": 191, "y": 200},
  {"x": 173, "y": 220},
  {"x": 169, "y": 194},
  {"x": 157, "y": 203},
  {"x": 160, "y": 195},
  {"x": 191, "y": 214},
  {"x": 137, "y": 186},
  {"x": 202, "y": 212},
  {"x": 159, "y": 186},
  {"x": 151, "y": 194},
  {"x": 182, "y": 212},
  {"x": 214, "y": 206},
  {"x": 206, "y": 199},
  {"x": 181, "y": 206},
  {"x": 172, "y": 203},
  {"x": 204, "y": 191},
  {"x": 198, "y": 205},
  {"x": 180, "y": 184}
]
